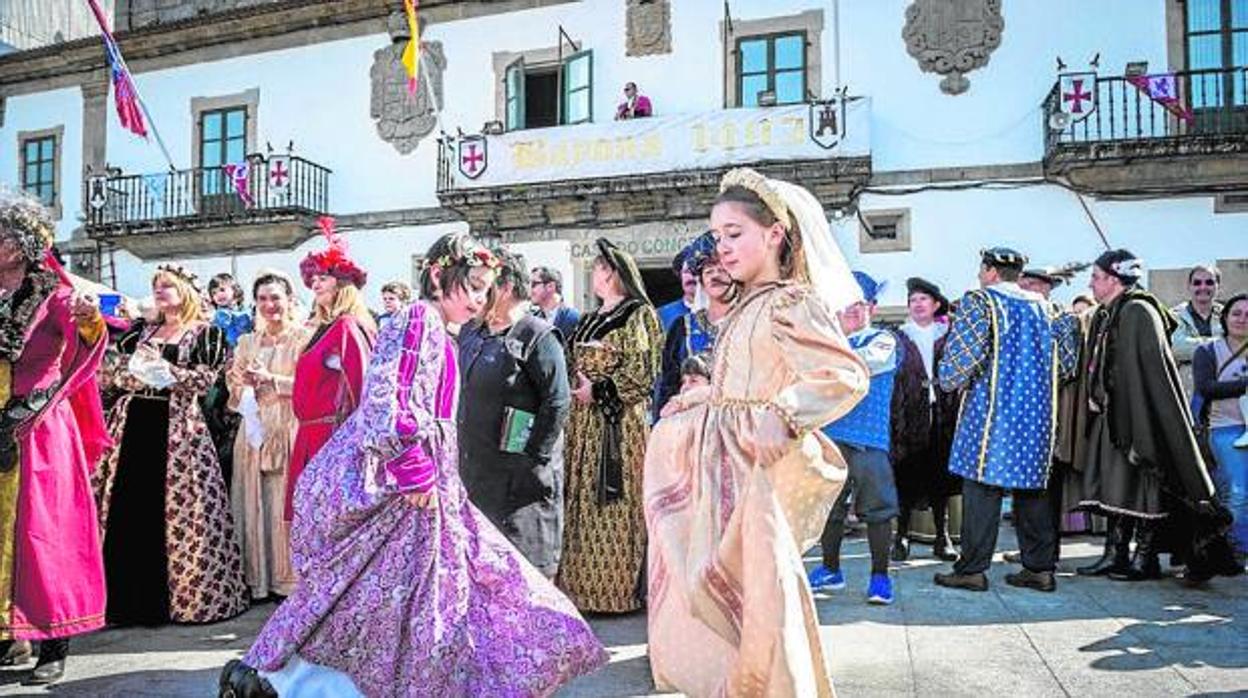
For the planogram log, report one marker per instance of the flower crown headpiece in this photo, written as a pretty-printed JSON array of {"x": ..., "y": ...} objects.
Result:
[
  {"x": 475, "y": 256},
  {"x": 181, "y": 272},
  {"x": 747, "y": 178}
]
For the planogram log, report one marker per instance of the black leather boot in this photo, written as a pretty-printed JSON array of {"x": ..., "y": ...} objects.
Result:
[
  {"x": 901, "y": 546},
  {"x": 241, "y": 681},
  {"x": 1145, "y": 564},
  {"x": 51, "y": 665},
  {"x": 942, "y": 548},
  {"x": 1117, "y": 555}
]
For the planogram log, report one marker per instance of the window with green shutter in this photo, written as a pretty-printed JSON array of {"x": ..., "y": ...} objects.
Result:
[{"x": 550, "y": 94}]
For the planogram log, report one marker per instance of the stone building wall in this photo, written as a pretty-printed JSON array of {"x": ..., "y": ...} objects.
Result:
[{"x": 136, "y": 14}]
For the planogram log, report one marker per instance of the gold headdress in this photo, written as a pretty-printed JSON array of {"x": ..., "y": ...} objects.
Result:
[{"x": 747, "y": 178}]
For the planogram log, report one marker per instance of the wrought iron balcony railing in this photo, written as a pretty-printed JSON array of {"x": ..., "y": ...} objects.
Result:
[
  {"x": 263, "y": 189},
  {"x": 1190, "y": 111}
]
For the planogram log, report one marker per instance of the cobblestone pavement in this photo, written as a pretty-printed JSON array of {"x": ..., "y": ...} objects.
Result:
[{"x": 1091, "y": 637}]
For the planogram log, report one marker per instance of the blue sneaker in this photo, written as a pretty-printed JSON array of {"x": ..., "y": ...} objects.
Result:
[
  {"x": 824, "y": 579},
  {"x": 880, "y": 591}
]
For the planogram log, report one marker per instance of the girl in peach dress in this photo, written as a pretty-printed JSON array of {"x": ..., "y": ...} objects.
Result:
[{"x": 738, "y": 477}]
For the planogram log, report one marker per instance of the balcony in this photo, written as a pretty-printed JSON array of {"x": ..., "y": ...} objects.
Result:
[
  {"x": 270, "y": 203},
  {"x": 525, "y": 183},
  {"x": 1175, "y": 133}
]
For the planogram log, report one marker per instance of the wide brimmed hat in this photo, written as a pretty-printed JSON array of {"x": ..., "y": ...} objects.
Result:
[
  {"x": 333, "y": 261},
  {"x": 1045, "y": 274},
  {"x": 917, "y": 284}
]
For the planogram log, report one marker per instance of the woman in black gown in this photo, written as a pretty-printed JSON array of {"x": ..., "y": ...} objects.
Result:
[{"x": 169, "y": 548}]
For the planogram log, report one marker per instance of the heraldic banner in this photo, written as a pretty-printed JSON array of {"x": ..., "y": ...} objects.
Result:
[{"x": 836, "y": 128}]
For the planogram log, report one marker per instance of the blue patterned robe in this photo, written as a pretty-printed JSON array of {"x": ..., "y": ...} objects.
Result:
[{"x": 1008, "y": 352}]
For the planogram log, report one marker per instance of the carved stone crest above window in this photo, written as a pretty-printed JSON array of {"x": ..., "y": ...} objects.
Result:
[
  {"x": 649, "y": 28},
  {"x": 403, "y": 120},
  {"x": 953, "y": 37}
]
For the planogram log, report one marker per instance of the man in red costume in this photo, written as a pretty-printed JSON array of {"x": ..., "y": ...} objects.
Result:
[{"x": 51, "y": 436}]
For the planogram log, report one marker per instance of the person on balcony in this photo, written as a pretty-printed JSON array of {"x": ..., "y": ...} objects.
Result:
[
  {"x": 330, "y": 372},
  {"x": 261, "y": 381},
  {"x": 170, "y": 553},
  {"x": 52, "y": 433},
  {"x": 634, "y": 106}
]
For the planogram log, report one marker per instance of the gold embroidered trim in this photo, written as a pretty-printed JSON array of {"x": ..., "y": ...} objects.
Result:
[{"x": 992, "y": 384}]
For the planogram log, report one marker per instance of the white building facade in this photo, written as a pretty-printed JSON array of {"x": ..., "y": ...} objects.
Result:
[{"x": 921, "y": 170}]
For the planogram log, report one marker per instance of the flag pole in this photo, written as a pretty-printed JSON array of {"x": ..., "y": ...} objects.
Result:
[
  {"x": 104, "y": 27},
  {"x": 155, "y": 132}
]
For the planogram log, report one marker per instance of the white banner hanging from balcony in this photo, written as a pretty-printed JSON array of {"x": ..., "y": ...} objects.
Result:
[{"x": 707, "y": 140}]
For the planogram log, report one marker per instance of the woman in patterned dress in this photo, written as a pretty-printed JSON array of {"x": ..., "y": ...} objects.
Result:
[
  {"x": 405, "y": 588},
  {"x": 739, "y": 478},
  {"x": 261, "y": 380},
  {"x": 169, "y": 548},
  {"x": 615, "y": 354}
]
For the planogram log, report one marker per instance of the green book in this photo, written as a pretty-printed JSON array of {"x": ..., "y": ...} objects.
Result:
[{"x": 517, "y": 424}]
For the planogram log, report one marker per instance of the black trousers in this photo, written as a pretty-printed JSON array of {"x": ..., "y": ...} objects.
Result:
[{"x": 981, "y": 519}]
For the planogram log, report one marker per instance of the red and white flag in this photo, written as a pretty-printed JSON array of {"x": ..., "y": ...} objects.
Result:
[{"x": 124, "y": 93}]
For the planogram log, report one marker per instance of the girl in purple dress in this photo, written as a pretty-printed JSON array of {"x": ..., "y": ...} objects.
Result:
[{"x": 405, "y": 588}]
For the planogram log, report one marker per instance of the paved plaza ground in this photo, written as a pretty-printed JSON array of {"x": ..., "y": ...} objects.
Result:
[{"x": 1093, "y": 637}]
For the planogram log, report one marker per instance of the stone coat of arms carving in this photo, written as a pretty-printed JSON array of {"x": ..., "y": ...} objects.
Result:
[
  {"x": 953, "y": 37},
  {"x": 404, "y": 120}
]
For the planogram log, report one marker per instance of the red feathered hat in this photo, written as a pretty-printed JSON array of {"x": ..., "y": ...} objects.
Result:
[{"x": 332, "y": 262}]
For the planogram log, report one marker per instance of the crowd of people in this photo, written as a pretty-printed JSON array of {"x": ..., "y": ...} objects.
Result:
[{"x": 435, "y": 493}]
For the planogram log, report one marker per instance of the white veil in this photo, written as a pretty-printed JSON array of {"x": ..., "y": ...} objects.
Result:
[
  {"x": 826, "y": 267},
  {"x": 825, "y": 263}
]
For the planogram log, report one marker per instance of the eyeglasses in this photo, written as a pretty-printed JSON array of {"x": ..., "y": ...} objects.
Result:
[
  {"x": 1204, "y": 282},
  {"x": 537, "y": 282}
]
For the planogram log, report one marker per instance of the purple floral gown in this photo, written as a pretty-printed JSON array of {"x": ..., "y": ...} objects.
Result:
[{"x": 408, "y": 601}]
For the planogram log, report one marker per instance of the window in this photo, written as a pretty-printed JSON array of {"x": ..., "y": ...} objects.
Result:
[
  {"x": 775, "y": 63},
  {"x": 39, "y": 168},
  {"x": 549, "y": 94},
  {"x": 222, "y": 141},
  {"x": 885, "y": 230},
  {"x": 1216, "y": 37}
]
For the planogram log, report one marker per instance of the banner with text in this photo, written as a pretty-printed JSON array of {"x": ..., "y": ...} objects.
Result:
[{"x": 836, "y": 128}]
